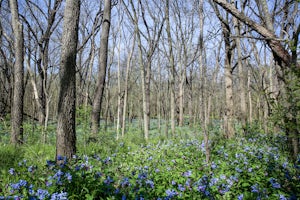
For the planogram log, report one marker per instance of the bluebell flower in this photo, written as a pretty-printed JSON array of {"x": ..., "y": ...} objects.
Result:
[
  {"x": 98, "y": 175},
  {"x": 188, "y": 173},
  {"x": 223, "y": 177},
  {"x": 59, "y": 196},
  {"x": 238, "y": 170},
  {"x": 171, "y": 193},
  {"x": 282, "y": 197},
  {"x": 108, "y": 180},
  {"x": 213, "y": 166},
  {"x": 42, "y": 194},
  {"x": 150, "y": 183},
  {"x": 50, "y": 163},
  {"x": 254, "y": 188},
  {"x": 12, "y": 171},
  {"x": 68, "y": 176},
  {"x": 142, "y": 176},
  {"x": 240, "y": 197},
  {"x": 19, "y": 185},
  {"x": 30, "y": 169},
  {"x": 274, "y": 183},
  {"x": 181, "y": 188},
  {"x": 125, "y": 182},
  {"x": 60, "y": 157}
]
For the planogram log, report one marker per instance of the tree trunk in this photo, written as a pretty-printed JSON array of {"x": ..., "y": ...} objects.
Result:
[
  {"x": 203, "y": 71},
  {"x": 96, "y": 110},
  {"x": 172, "y": 72},
  {"x": 241, "y": 77},
  {"x": 66, "y": 133},
  {"x": 18, "y": 90},
  {"x": 126, "y": 87}
]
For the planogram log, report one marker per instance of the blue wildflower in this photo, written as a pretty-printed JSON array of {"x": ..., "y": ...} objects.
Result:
[
  {"x": 150, "y": 183},
  {"x": 254, "y": 188},
  {"x": 108, "y": 180},
  {"x": 59, "y": 196},
  {"x": 68, "y": 176},
  {"x": 30, "y": 169},
  {"x": 12, "y": 171},
  {"x": 125, "y": 182},
  {"x": 181, "y": 188},
  {"x": 187, "y": 174},
  {"x": 171, "y": 193},
  {"x": 240, "y": 197},
  {"x": 42, "y": 194},
  {"x": 274, "y": 183},
  {"x": 60, "y": 157},
  {"x": 282, "y": 197}
]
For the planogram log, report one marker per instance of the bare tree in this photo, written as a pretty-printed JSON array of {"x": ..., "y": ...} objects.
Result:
[
  {"x": 18, "y": 91},
  {"x": 66, "y": 133},
  {"x": 229, "y": 47},
  {"x": 95, "y": 118},
  {"x": 172, "y": 71}
]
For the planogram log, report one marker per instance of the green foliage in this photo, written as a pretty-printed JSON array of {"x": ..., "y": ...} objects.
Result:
[{"x": 251, "y": 167}]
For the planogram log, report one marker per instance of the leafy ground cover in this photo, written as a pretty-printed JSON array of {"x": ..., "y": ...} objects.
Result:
[{"x": 251, "y": 167}]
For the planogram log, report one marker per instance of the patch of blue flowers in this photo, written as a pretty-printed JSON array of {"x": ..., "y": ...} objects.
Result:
[{"x": 165, "y": 171}]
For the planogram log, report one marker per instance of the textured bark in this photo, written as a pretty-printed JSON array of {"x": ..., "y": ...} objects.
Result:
[
  {"x": 18, "y": 90},
  {"x": 241, "y": 77},
  {"x": 97, "y": 102},
  {"x": 228, "y": 115},
  {"x": 66, "y": 134}
]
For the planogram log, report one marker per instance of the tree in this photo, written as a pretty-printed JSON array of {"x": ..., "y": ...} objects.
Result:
[
  {"x": 41, "y": 35},
  {"x": 66, "y": 134},
  {"x": 284, "y": 57},
  {"x": 96, "y": 110},
  {"x": 228, "y": 70},
  {"x": 281, "y": 55},
  {"x": 172, "y": 70},
  {"x": 18, "y": 90},
  {"x": 151, "y": 35}
]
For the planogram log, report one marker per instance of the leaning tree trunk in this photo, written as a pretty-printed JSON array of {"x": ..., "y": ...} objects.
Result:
[
  {"x": 18, "y": 90},
  {"x": 96, "y": 110},
  {"x": 66, "y": 134}
]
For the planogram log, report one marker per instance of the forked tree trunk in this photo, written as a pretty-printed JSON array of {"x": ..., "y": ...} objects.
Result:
[{"x": 66, "y": 133}]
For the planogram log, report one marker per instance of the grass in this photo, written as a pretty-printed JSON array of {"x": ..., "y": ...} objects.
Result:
[{"x": 255, "y": 166}]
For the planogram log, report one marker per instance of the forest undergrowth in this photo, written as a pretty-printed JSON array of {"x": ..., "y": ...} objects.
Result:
[{"x": 252, "y": 166}]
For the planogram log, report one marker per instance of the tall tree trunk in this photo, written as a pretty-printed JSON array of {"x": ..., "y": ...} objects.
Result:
[
  {"x": 18, "y": 90},
  {"x": 126, "y": 87},
  {"x": 241, "y": 86},
  {"x": 172, "y": 72},
  {"x": 66, "y": 133},
  {"x": 228, "y": 115},
  {"x": 204, "y": 106},
  {"x": 96, "y": 110}
]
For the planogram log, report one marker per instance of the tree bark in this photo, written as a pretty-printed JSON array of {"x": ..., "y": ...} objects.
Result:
[
  {"x": 66, "y": 133},
  {"x": 97, "y": 102},
  {"x": 172, "y": 71},
  {"x": 18, "y": 90},
  {"x": 241, "y": 78}
]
